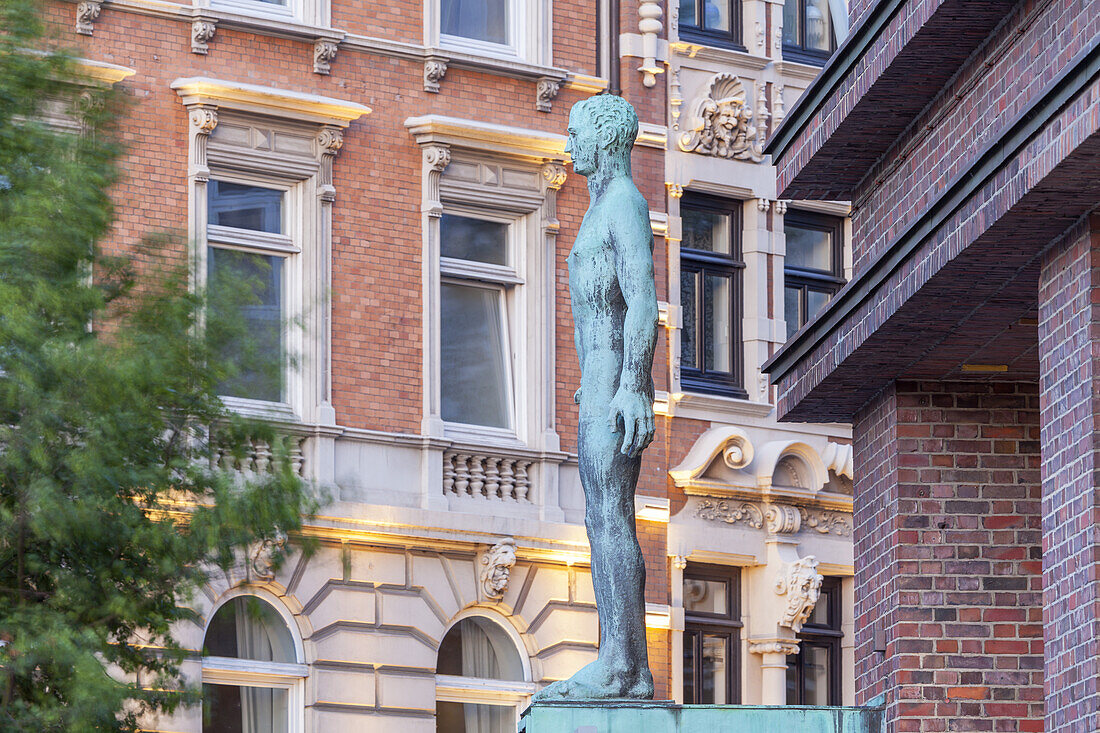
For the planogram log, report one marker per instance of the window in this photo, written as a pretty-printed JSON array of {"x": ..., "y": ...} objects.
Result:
[
  {"x": 809, "y": 35},
  {"x": 479, "y": 20},
  {"x": 481, "y": 680},
  {"x": 814, "y": 266},
  {"x": 477, "y": 277},
  {"x": 247, "y": 250},
  {"x": 813, "y": 675},
  {"x": 501, "y": 29},
  {"x": 710, "y": 296},
  {"x": 314, "y": 12},
  {"x": 251, "y": 679},
  {"x": 713, "y": 22},
  {"x": 712, "y": 635}
]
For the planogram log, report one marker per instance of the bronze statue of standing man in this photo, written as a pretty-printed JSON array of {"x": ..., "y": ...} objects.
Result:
[{"x": 614, "y": 303}]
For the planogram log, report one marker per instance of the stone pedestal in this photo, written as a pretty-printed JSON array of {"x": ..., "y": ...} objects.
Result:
[{"x": 632, "y": 716}]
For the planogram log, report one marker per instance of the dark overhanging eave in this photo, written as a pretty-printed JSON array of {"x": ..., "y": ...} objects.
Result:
[{"x": 1077, "y": 75}]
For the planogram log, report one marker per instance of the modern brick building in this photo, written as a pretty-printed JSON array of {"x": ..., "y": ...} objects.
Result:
[
  {"x": 392, "y": 175},
  {"x": 963, "y": 350}
]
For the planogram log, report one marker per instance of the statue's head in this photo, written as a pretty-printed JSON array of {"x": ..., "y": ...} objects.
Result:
[{"x": 601, "y": 128}]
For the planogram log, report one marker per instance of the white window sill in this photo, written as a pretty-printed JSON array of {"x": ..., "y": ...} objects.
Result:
[
  {"x": 261, "y": 409},
  {"x": 481, "y": 435}
]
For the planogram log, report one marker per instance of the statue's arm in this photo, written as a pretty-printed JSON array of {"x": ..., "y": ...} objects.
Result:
[{"x": 633, "y": 241}]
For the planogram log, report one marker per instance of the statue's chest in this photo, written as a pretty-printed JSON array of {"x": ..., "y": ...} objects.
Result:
[{"x": 592, "y": 277}]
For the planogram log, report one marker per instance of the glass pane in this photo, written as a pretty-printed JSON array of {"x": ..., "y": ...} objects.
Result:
[
  {"x": 689, "y": 284},
  {"x": 820, "y": 615},
  {"x": 245, "y": 321},
  {"x": 691, "y": 640},
  {"x": 792, "y": 300},
  {"x": 245, "y": 207},
  {"x": 274, "y": 2},
  {"x": 715, "y": 669},
  {"x": 473, "y": 239},
  {"x": 248, "y": 628},
  {"x": 815, "y": 664},
  {"x": 458, "y": 717},
  {"x": 233, "y": 709},
  {"x": 718, "y": 301},
  {"x": 810, "y": 249},
  {"x": 706, "y": 596},
  {"x": 717, "y": 14},
  {"x": 687, "y": 13},
  {"x": 481, "y": 20},
  {"x": 819, "y": 25},
  {"x": 476, "y": 647},
  {"x": 474, "y": 379},
  {"x": 816, "y": 301},
  {"x": 706, "y": 230},
  {"x": 790, "y": 22}
]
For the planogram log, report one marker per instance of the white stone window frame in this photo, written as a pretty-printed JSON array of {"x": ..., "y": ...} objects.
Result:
[
  {"x": 310, "y": 12},
  {"x": 306, "y": 176},
  {"x": 510, "y": 282},
  {"x": 530, "y": 30},
  {"x": 233, "y": 671}
]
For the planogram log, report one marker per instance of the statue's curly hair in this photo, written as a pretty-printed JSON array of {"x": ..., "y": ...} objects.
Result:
[{"x": 615, "y": 120}]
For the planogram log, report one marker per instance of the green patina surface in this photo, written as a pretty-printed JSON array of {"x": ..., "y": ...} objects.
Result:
[{"x": 628, "y": 716}]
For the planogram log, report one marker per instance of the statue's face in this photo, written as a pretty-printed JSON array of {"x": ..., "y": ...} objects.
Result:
[{"x": 583, "y": 143}]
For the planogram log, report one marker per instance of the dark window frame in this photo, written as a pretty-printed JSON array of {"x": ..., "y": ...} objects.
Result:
[
  {"x": 713, "y": 37},
  {"x": 807, "y": 279},
  {"x": 698, "y": 378},
  {"x": 827, "y": 635},
  {"x": 798, "y": 52},
  {"x": 727, "y": 624}
]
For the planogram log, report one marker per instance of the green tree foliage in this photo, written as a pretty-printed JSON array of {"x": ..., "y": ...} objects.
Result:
[{"x": 111, "y": 514}]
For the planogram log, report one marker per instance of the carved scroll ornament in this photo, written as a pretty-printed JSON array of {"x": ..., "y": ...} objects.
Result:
[
  {"x": 801, "y": 583},
  {"x": 723, "y": 123}
]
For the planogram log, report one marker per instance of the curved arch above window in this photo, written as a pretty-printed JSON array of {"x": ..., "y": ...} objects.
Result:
[
  {"x": 247, "y": 627},
  {"x": 479, "y": 647}
]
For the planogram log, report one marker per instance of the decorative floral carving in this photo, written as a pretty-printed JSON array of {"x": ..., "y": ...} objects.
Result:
[
  {"x": 202, "y": 32},
  {"x": 545, "y": 92},
  {"x": 827, "y": 522},
  {"x": 261, "y": 557},
  {"x": 324, "y": 53},
  {"x": 782, "y": 519},
  {"x": 773, "y": 646},
  {"x": 554, "y": 174},
  {"x": 724, "y": 511},
  {"x": 722, "y": 124},
  {"x": 86, "y": 13},
  {"x": 203, "y": 119},
  {"x": 434, "y": 71},
  {"x": 497, "y": 565},
  {"x": 801, "y": 583},
  {"x": 675, "y": 190},
  {"x": 437, "y": 157},
  {"x": 330, "y": 140}
]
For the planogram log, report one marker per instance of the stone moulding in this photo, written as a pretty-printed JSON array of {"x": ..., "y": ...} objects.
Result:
[
  {"x": 777, "y": 519},
  {"x": 723, "y": 124}
]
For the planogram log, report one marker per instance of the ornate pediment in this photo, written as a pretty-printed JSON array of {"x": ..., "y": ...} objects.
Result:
[{"x": 723, "y": 123}]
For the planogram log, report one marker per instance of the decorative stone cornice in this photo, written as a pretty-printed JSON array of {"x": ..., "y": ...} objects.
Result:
[
  {"x": 324, "y": 53},
  {"x": 801, "y": 583},
  {"x": 268, "y": 101},
  {"x": 202, "y": 32},
  {"x": 496, "y": 568},
  {"x": 545, "y": 91},
  {"x": 86, "y": 13},
  {"x": 516, "y": 142}
]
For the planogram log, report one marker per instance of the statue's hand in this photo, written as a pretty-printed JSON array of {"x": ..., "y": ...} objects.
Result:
[{"x": 635, "y": 411}]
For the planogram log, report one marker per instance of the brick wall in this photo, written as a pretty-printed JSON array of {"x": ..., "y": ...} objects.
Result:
[
  {"x": 1071, "y": 503},
  {"x": 948, "y": 556}
]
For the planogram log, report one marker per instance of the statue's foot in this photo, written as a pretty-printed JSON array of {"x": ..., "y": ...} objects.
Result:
[{"x": 601, "y": 681}]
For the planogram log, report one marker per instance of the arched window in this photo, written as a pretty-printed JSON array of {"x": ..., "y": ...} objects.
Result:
[
  {"x": 482, "y": 681},
  {"x": 251, "y": 671}
]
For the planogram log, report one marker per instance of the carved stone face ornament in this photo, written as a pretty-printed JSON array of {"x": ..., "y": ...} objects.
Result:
[{"x": 497, "y": 565}]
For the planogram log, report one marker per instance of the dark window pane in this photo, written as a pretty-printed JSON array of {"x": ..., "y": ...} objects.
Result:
[
  {"x": 457, "y": 717},
  {"x": 245, "y": 321},
  {"x": 245, "y": 207},
  {"x": 705, "y": 230},
  {"x": 691, "y": 641},
  {"x": 717, "y": 339},
  {"x": 687, "y": 13},
  {"x": 715, "y": 669},
  {"x": 815, "y": 665},
  {"x": 248, "y": 628},
  {"x": 717, "y": 14},
  {"x": 820, "y": 615},
  {"x": 819, "y": 25},
  {"x": 476, "y": 647},
  {"x": 481, "y": 20},
  {"x": 706, "y": 596},
  {"x": 790, "y": 22},
  {"x": 474, "y": 380},
  {"x": 473, "y": 239},
  {"x": 689, "y": 283},
  {"x": 816, "y": 301},
  {"x": 233, "y": 709},
  {"x": 792, "y": 298},
  {"x": 810, "y": 249}
]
